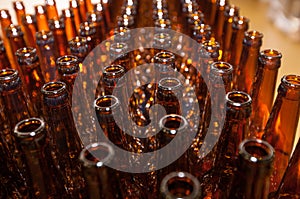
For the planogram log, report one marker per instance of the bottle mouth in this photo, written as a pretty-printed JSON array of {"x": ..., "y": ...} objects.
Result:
[
  {"x": 122, "y": 33},
  {"x": 221, "y": 68},
  {"x": 162, "y": 39},
  {"x": 169, "y": 84},
  {"x": 8, "y": 74},
  {"x": 26, "y": 55},
  {"x": 238, "y": 99},
  {"x": 68, "y": 64},
  {"x": 78, "y": 45},
  {"x": 240, "y": 22},
  {"x": 56, "y": 24},
  {"x": 292, "y": 81},
  {"x": 67, "y": 13},
  {"x": 28, "y": 19},
  {"x": 118, "y": 48},
  {"x": 54, "y": 88},
  {"x": 180, "y": 185},
  {"x": 173, "y": 123},
  {"x": 44, "y": 37},
  {"x": 256, "y": 151},
  {"x": 96, "y": 154},
  {"x": 113, "y": 71},
  {"x": 4, "y": 14},
  {"x": 253, "y": 34},
  {"x": 106, "y": 103},
  {"x": 162, "y": 23},
  {"x": 87, "y": 29},
  {"x": 29, "y": 128},
  {"x": 164, "y": 58},
  {"x": 40, "y": 9},
  {"x": 14, "y": 31},
  {"x": 270, "y": 54}
]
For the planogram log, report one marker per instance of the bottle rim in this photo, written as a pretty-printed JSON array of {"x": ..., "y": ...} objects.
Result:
[
  {"x": 164, "y": 58},
  {"x": 113, "y": 70},
  {"x": 29, "y": 128},
  {"x": 221, "y": 68},
  {"x": 8, "y": 74},
  {"x": 96, "y": 148},
  {"x": 169, "y": 83},
  {"x": 291, "y": 81},
  {"x": 101, "y": 103},
  {"x": 238, "y": 99},
  {"x": 173, "y": 117},
  {"x": 54, "y": 88},
  {"x": 27, "y": 53},
  {"x": 173, "y": 176}
]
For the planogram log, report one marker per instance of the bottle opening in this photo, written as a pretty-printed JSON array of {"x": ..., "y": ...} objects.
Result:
[
  {"x": 29, "y": 127},
  {"x": 164, "y": 58},
  {"x": 169, "y": 84},
  {"x": 253, "y": 34},
  {"x": 255, "y": 150},
  {"x": 291, "y": 80},
  {"x": 96, "y": 154},
  {"x": 238, "y": 98},
  {"x": 4, "y": 14},
  {"x": 8, "y": 74},
  {"x": 173, "y": 123},
  {"x": 113, "y": 70},
  {"x": 117, "y": 48},
  {"x": 106, "y": 103},
  {"x": 54, "y": 88},
  {"x": 221, "y": 68},
  {"x": 44, "y": 37},
  {"x": 39, "y": 9},
  {"x": 26, "y": 52},
  {"x": 270, "y": 54},
  {"x": 180, "y": 185}
]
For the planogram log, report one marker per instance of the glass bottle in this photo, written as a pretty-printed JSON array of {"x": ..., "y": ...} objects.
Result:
[
  {"x": 64, "y": 139},
  {"x": 105, "y": 12},
  {"x": 102, "y": 181},
  {"x": 58, "y": 29},
  {"x": 79, "y": 47},
  {"x": 180, "y": 185},
  {"x": 96, "y": 18},
  {"x": 31, "y": 138},
  {"x": 201, "y": 33},
  {"x": 254, "y": 167},
  {"x": 48, "y": 54},
  {"x": 210, "y": 12},
  {"x": 119, "y": 55},
  {"x": 165, "y": 62},
  {"x": 289, "y": 186},
  {"x": 236, "y": 126},
  {"x": 82, "y": 9},
  {"x": 41, "y": 18},
  {"x": 246, "y": 67},
  {"x": 220, "y": 20},
  {"x": 282, "y": 124},
  {"x": 19, "y": 10},
  {"x": 73, "y": 4},
  {"x": 34, "y": 80},
  {"x": 4, "y": 62},
  {"x": 88, "y": 31},
  {"x": 51, "y": 10},
  {"x": 30, "y": 28},
  {"x": 5, "y": 20},
  {"x": 68, "y": 17},
  {"x": 263, "y": 89},
  {"x": 89, "y": 5}
]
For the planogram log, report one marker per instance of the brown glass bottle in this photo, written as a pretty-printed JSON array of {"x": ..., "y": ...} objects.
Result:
[
  {"x": 19, "y": 10},
  {"x": 48, "y": 54},
  {"x": 289, "y": 186},
  {"x": 96, "y": 18},
  {"x": 220, "y": 20},
  {"x": 58, "y": 29},
  {"x": 79, "y": 47},
  {"x": 119, "y": 55},
  {"x": 73, "y": 4},
  {"x": 105, "y": 12},
  {"x": 246, "y": 67},
  {"x": 70, "y": 27},
  {"x": 64, "y": 138},
  {"x": 41, "y": 18},
  {"x": 51, "y": 10},
  {"x": 263, "y": 89},
  {"x": 5, "y": 20},
  {"x": 31, "y": 138},
  {"x": 165, "y": 62},
  {"x": 34, "y": 80},
  {"x": 30, "y": 28},
  {"x": 238, "y": 110},
  {"x": 180, "y": 185},
  {"x": 4, "y": 62},
  {"x": 281, "y": 127},
  {"x": 83, "y": 9},
  {"x": 254, "y": 167},
  {"x": 201, "y": 33},
  {"x": 88, "y": 31},
  {"x": 102, "y": 181}
]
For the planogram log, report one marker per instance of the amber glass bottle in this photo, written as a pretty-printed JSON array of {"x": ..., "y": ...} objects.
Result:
[
  {"x": 254, "y": 167},
  {"x": 19, "y": 10},
  {"x": 102, "y": 181},
  {"x": 68, "y": 17},
  {"x": 220, "y": 20},
  {"x": 180, "y": 185},
  {"x": 79, "y": 47},
  {"x": 30, "y": 28},
  {"x": 51, "y": 10},
  {"x": 31, "y": 138},
  {"x": 246, "y": 67},
  {"x": 41, "y": 18},
  {"x": 58, "y": 29},
  {"x": 281, "y": 127},
  {"x": 5, "y": 20},
  {"x": 96, "y": 18},
  {"x": 4, "y": 62},
  {"x": 105, "y": 12},
  {"x": 64, "y": 138},
  {"x": 165, "y": 62},
  {"x": 34, "y": 80},
  {"x": 263, "y": 89},
  {"x": 73, "y": 4},
  {"x": 289, "y": 186},
  {"x": 201, "y": 33},
  {"x": 88, "y": 30},
  {"x": 48, "y": 54}
]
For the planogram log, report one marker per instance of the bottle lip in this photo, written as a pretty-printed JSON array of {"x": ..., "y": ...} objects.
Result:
[
  {"x": 4, "y": 14},
  {"x": 18, "y": 5},
  {"x": 40, "y": 10},
  {"x": 263, "y": 147},
  {"x": 87, "y": 29},
  {"x": 162, "y": 39},
  {"x": 94, "y": 150},
  {"x": 55, "y": 24},
  {"x": 44, "y": 37},
  {"x": 291, "y": 81},
  {"x": 29, "y": 128},
  {"x": 164, "y": 58},
  {"x": 173, "y": 117},
  {"x": 54, "y": 88},
  {"x": 106, "y": 103},
  {"x": 68, "y": 64},
  {"x": 8, "y": 74},
  {"x": 169, "y": 84},
  {"x": 113, "y": 70},
  {"x": 67, "y": 13},
  {"x": 118, "y": 48},
  {"x": 240, "y": 22},
  {"x": 238, "y": 99},
  {"x": 14, "y": 31},
  {"x": 221, "y": 68},
  {"x": 173, "y": 176},
  {"x": 28, "y": 19},
  {"x": 26, "y": 55}
]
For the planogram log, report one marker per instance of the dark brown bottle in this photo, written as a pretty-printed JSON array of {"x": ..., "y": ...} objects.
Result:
[
  {"x": 82, "y": 9},
  {"x": 48, "y": 54},
  {"x": 19, "y": 10},
  {"x": 31, "y": 138},
  {"x": 254, "y": 167},
  {"x": 165, "y": 62},
  {"x": 79, "y": 47},
  {"x": 70, "y": 27},
  {"x": 58, "y": 29},
  {"x": 180, "y": 185},
  {"x": 97, "y": 19},
  {"x": 289, "y": 186},
  {"x": 88, "y": 31},
  {"x": 263, "y": 90},
  {"x": 73, "y": 4},
  {"x": 201, "y": 33},
  {"x": 246, "y": 67},
  {"x": 64, "y": 138},
  {"x": 220, "y": 20},
  {"x": 41, "y": 18},
  {"x": 281, "y": 127},
  {"x": 105, "y": 12},
  {"x": 30, "y": 28},
  {"x": 5, "y": 20},
  {"x": 4, "y": 62},
  {"x": 102, "y": 181},
  {"x": 51, "y": 10},
  {"x": 29, "y": 62}
]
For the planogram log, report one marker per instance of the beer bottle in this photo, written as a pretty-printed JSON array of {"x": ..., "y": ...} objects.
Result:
[
  {"x": 41, "y": 18},
  {"x": 73, "y": 4},
  {"x": 30, "y": 28},
  {"x": 51, "y": 10},
  {"x": 19, "y": 10},
  {"x": 58, "y": 29},
  {"x": 4, "y": 62},
  {"x": 68, "y": 17}
]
